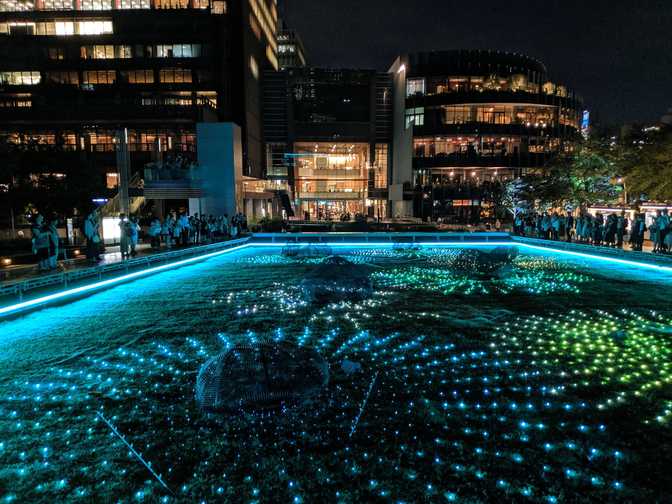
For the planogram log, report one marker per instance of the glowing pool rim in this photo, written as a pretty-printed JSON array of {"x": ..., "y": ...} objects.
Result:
[{"x": 44, "y": 300}]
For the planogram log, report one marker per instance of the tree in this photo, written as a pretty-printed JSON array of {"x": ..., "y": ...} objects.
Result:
[{"x": 649, "y": 173}]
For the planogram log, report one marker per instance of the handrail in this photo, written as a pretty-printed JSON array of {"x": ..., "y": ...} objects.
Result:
[{"x": 20, "y": 287}]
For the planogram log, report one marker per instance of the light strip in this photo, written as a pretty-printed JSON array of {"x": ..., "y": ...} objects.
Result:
[
  {"x": 112, "y": 281},
  {"x": 390, "y": 244},
  {"x": 614, "y": 260}
]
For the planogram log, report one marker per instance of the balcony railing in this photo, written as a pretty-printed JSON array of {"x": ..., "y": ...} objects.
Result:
[{"x": 331, "y": 195}]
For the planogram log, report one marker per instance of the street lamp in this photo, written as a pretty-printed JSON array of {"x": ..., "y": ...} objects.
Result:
[{"x": 621, "y": 181}]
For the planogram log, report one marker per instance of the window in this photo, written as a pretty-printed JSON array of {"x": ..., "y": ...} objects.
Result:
[
  {"x": 95, "y": 5},
  {"x": 58, "y": 28},
  {"x": 218, "y": 7},
  {"x": 18, "y": 28},
  {"x": 112, "y": 180},
  {"x": 138, "y": 76},
  {"x": 99, "y": 77},
  {"x": 204, "y": 76},
  {"x": 178, "y": 51},
  {"x": 135, "y": 4},
  {"x": 415, "y": 116},
  {"x": 61, "y": 28},
  {"x": 494, "y": 115},
  {"x": 20, "y": 78},
  {"x": 175, "y": 75},
  {"x": 57, "y": 5},
  {"x": 457, "y": 114},
  {"x": 20, "y": 100},
  {"x": 62, "y": 78},
  {"x": 123, "y": 51},
  {"x": 415, "y": 86},
  {"x": 56, "y": 53},
  {"x": 93, "y": 27}
]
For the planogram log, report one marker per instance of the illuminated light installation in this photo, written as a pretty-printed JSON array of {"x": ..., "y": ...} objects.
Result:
[
  {"x": 522, "y": 403},
  {"x": 112, "y": 281},
  {"x": 267, "y": 374},
  {"x": 18, "y": 307}
]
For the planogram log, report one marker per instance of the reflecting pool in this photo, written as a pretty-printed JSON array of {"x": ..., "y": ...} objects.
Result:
[{"x": 547, "y": 378}]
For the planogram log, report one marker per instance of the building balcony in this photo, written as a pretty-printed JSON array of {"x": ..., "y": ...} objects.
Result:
[
  {"x": 466, "y": 97},
  {"x": 523, "y": 160},
  {"x": 482, "y": 128},
  {"x": 331, "y": 195},
  {"x": 112, "y": 109}
]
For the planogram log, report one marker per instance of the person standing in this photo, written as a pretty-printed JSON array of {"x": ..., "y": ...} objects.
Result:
[
  {"x": 663, "y": 223},
  {"x": 569, "y": 226},
  {"x": 92, "y": 234},
  {"x": 621, "y": 229},
  {"x": 654, "y": 233},
  {"x": 637, "y": 234},
  {"x": 133, "y": 234},
  {"x": 154, "y": 233},
  {"x": 184, "y": 229},
  {"x": 123, "y": 236},
  {"x": 40, "y": 242},
  {"x": 54, "y": 243}
]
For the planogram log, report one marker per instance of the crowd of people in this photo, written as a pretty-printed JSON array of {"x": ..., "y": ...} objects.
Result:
[
  {"x": 183, "y": 230},
  {"x": 611, "y": 231},
  {"x": 176, "y": 230}
]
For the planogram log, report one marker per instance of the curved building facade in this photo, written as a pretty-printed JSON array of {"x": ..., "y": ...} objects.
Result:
[{"x": 477, "y": 118}]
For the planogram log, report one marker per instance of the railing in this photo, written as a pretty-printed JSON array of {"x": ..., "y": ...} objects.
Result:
[
  {"x": 331, "y": 195},
  {"x": 19, "y": 288},
  {"x": 381, "y": 238}
]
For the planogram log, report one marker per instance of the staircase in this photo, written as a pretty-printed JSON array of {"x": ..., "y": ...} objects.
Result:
[
  {"x": 113, "y": 207},
  {"x": 286, "y": 203}
]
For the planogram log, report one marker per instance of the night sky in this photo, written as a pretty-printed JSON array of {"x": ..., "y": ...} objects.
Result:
[{"x": 616, "y": 54}]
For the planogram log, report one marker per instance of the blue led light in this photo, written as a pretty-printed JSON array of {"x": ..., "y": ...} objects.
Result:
[{"x": 8, "y": 310}]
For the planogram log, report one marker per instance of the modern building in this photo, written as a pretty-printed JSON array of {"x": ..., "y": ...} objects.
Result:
[
  {"x": 328, "y": 134},
  {"x": 77, "y": 74},
  {"x": 291, "y": 52},
  {"x": 472, "y": 118}
]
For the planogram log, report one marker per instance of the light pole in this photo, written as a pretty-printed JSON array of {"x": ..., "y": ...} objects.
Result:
[{"x": 621, "y": 181}]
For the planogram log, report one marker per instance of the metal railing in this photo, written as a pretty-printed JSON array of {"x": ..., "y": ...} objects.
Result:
[{"x": 18, "y": 288}]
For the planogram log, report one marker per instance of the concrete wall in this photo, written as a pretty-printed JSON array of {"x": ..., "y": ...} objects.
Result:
[
  {"x": 220, "y": 157},
  {"x": 402, "y": 144}
]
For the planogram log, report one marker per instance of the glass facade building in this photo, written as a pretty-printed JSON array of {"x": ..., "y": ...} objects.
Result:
[
  {"x": 75, "y": 72},
  {"x": 328, "y": 134},
  {"x": 478, "y": 118}
]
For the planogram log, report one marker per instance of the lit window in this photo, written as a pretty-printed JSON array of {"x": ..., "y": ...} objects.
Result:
[
  {"x": 99, "y": 77},
  {"x": 92, "y": 28},
  {"x": 175, "y": 75},
  {"x": 218, "y": 7},
  {"x": 138, "y": 76},
  {"x": 415, "y": 116},
  {"x": 49, "y": 5},
  {"x": 20, "y": 78},
  {"x": 95, "y": 5},
  {"x": 178, "y": 51},
  {"x": 135, "y": 4},
  {"x": 415, "y": 86},
  {"x": 112, "y": 180},
  {"x": 64, "y": 28}
]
